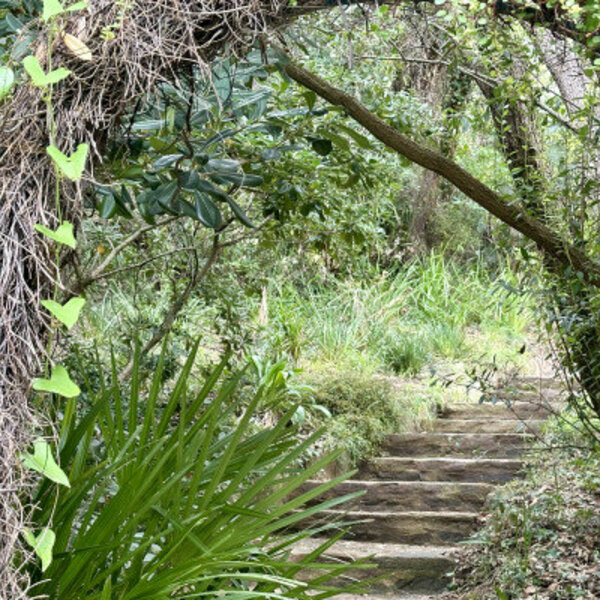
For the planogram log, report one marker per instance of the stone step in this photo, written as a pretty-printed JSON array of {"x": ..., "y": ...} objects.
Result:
[
  {"x": 497, "y": 445},
  {"x": 400, "y": 569},
  {"x": 539, "y": 383},
  {"x": 487, "y": 426},
  {"x": 411, "y": 527},
  {"x": 395, "y": 596},
  {"x": 474, "y": 470},
  {"x": 407, "y": 495},
  {"x": 499, "y": 410}
]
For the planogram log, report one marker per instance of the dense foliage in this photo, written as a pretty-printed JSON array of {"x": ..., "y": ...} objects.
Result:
[{"x": 208, "y": 206}]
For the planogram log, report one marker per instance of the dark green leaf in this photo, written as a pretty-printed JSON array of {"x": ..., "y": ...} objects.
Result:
[
  {"x": 322, "y": 147},
  {"x": 239, "y": 213},
  {"x": 238, "y": 179},
  {"x": 207, "y": 212}
]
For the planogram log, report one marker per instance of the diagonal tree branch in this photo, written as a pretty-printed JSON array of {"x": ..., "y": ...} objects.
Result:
[{"x": 513, "y": 215}]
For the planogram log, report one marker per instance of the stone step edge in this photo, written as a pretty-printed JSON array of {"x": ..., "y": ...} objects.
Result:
[
  {"x": 403, "y": 483},
  {"x": 478, "y": 420},
  {"x": 445, "y": 434},
  {"x": 395, "y": 595},
  {"x": 366, "y": 515},
  {"x": 448, "y": 460},
  {"x": 355, "y": 550}
]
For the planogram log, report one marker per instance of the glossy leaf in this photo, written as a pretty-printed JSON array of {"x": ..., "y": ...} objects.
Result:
[
  {"x": 43, "y": 462},
  {"x": 239, "y": 213},
  {"x": 62, "y": 235},
  {"x": 68, "y": 313},
  {"x": 207, "y": 212},
  {"x": 246, "y": 179},
  {"x": 59, "y": 383}
]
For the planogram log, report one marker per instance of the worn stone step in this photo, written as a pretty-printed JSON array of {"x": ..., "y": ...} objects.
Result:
[
  {"x": 499, "y": 410},
  {"x": 401, "y": 595},
  {"x": 395, "y": 595},
  {"x": 497, "y": 445},
  {"x": 411, "y": 527},
  {"x": 401, "y": 569},
  {"x": 474, "y": 470},
  {"x": 539, "y": 383},
  {"x": 407, "y": 495},
  {"x": 448, "y": 425}
]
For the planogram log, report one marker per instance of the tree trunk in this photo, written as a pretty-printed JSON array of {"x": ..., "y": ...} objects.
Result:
[{"x": 570, "y": 302}]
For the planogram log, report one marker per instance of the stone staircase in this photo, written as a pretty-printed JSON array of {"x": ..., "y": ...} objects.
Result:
[{"x": 424, "y": 494}]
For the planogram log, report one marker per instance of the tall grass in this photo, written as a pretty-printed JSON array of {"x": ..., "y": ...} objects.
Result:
[{"x": 427, "y": 311}]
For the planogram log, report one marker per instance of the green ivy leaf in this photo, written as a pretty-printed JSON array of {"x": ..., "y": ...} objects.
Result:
[
  {"x": 43, "y": 462},
  {"x": 67, "y": 313},
  {"x": 54, "y": 8},
  {"x": 7, "y": 79},
  {"x": 72, "y": 166},
  {"x": 42, "y": 545},
  {"x": 63, "y": 235},
  {"x": 59, "y": 383},
  {"x": 39, "y": 78}
]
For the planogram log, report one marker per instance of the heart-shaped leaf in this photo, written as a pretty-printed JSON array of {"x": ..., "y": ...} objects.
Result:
[
  {"x": 67, "y": 313},
  {"x": 39, "y": 78},
  {"x": 43, "y": 462},
  {"x": 72, "y": 166},
  {"x": 7, "y": 79},
  {"x": 62, "y": 235},
  {"x": 42, "y": 544},
  {"x": 59, "y": 383},
  {"x": 54, "y": 8}
]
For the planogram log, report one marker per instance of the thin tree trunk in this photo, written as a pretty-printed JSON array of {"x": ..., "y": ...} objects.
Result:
[{"x": 570, "y": 302}]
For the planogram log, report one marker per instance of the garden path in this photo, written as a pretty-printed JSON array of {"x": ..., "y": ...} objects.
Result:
[{"x": 425, "y": 492}]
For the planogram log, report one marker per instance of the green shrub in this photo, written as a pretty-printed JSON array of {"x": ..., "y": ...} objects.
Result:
[
  {"x": 364, "y": 408},
  {"x": 175, "y": 494},
  {"x": 406, "y": 354},
  {"x": 541, "y": 534}
]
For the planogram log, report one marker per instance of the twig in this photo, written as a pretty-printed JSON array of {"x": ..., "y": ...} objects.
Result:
[
  {"x": 98, "y": 274},
  {"x": 177, "y": 306}
]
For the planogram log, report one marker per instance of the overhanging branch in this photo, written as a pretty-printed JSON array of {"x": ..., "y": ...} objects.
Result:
[{"x": 546, "y": 239}]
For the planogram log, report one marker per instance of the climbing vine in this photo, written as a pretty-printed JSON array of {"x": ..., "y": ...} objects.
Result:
[{"x": 56, "y": 379}]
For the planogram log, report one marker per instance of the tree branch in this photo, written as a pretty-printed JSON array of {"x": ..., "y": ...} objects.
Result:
[
  {"x": 511, "y": 214},
  {"x": 177, "y": 306},
  {"x": 98, "y": 272}
]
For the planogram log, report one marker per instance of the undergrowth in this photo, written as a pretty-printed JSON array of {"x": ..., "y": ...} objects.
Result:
[
  {"x": 363, "y": 409},
  {"x": 541, "y": 538},
  {"x": 430, "y": 311},
  {"x": 360, "y": 340}
]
